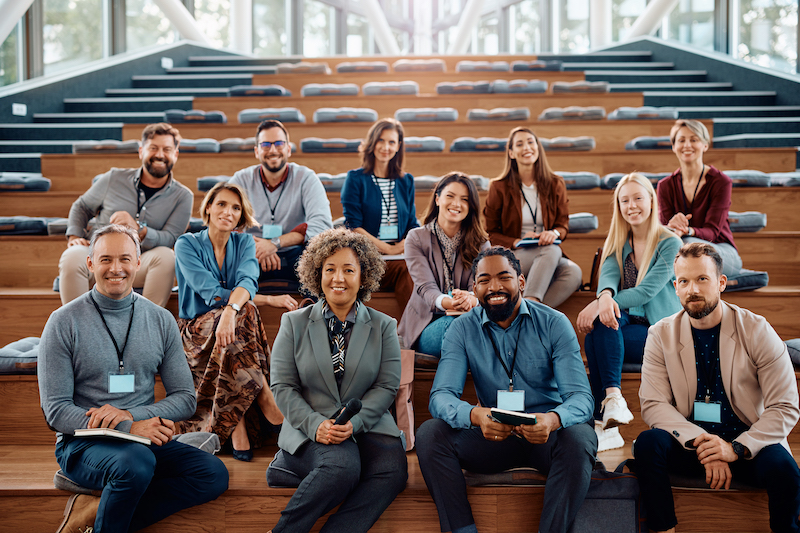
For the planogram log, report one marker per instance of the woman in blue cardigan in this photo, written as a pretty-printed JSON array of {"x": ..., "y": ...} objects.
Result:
[
  {"x": 378, "y": 201},
  {"x": 634, "y": 291},
  {"x": 222, "y": 333}
]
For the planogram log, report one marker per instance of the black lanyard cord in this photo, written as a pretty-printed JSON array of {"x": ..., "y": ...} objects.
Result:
[
  {"x": 384, "y": 202},
  {"x": 509, "y": 372},
  {"x": 116, "y": 346},
  {"x": 688, "y": 209},
  {"x": 533, "y": 213},
  {"x": 272, "y": 208}
]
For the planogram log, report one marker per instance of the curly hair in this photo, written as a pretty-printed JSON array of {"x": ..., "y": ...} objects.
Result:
[{"x": 327, "y": 243}]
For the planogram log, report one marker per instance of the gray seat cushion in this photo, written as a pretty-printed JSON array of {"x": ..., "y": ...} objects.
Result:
[
  {"x": 332, "y": 183},
  {"x": 62, "y": 482},
  {"x": 538, "y": 64},
  {"x": 179, "y": 116},
  {"x": 419, "y": 65},
  {"x": 284, "y": 114},
  {"x": 481, "y": 66},
  {"x": 582, "y": 222},
  {"x": 784, "y": 179},
  {"x": 481, "y": 144},
  {"x": 316, "y": 145},
  {"x": 644, "y": 113},
  {"x": 205, "y": 145},
  {"x": 500, "y": 113},
  {"x": 749, "y": 178},
  {"x": 609, "y": 181},
  {"x": 794, "y": 351},
  {"x": 237, "y": 144},
  {"x": 57, "y": 226},
  {"x": 303, "y": 67},
  {"x": 573, "y": 113},
  {"x": 747, "y": 221},
  {"x": 108, "y": 146},
  {"x": 569, "y": 144},
  {"x": 747, "y": 280},
  {"x": 519, "y": 86},
  {"x": 20, "y": 357},
  {"x": 279, "y": 475},
  {"x": 329, "y": 89},
  {"x": 580, "y": 180},
  {"x": 426, "y": 114},
  {"x": 390, "y": 87},
  {"x": 24, "y": 182},
  {"x": 463, "y": 87},
  {"x": 206, "y": 183},
  {"x": 195, "y": 225},
  {"x": 429, "y": 143},
  {"x": 22, "y": 225},
  {"x": 345, "y": 114},
  {"x": 580, "y": 87},
  {"x": 363, "y": 66},
  {"x": 649, "y": 143},
  {"x": 202, "y": 440},
  {"x": 259, "y": 90}
]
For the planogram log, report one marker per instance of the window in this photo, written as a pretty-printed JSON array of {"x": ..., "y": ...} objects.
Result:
[
  {"x": 269, "y": 28},
  {"x": 525, "y": 27},
  {"x": 318, "y": 20},
  {"x": 767, "y": 33},
  {"x": 692, "y": 22},
  {"x": 9, "y": 71},
  {"x": 359, "y": 37},
  {"x": 73, "y": 33},
  {"x": 146, "y": 25},
  {"x": 488, "y": 35},
  {"x": 573, "y": 30},
  {"x": 623, "y": 14},
  {"x": 213, "y": 19}
]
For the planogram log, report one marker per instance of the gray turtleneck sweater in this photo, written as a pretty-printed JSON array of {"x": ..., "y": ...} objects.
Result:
[{"x": 77, "y": 355}]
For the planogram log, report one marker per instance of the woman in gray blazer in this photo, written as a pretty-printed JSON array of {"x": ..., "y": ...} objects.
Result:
[
  {"x": 439, "y": 256},
  {"x": 324, "y": 356}
]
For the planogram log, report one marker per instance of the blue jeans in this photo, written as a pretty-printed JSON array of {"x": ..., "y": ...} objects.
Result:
[
  {"x": 657, "y": 454},
  {"x": 566, "y": 458},
  {"x": 364, "y": 475},
  {"x": 607, "y": 349},
  {"x": 141, "y": 484},
  {"x": 430, "y": 340}
]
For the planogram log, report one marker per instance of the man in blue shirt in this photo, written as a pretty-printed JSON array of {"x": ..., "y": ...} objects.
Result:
[{"x": 523, "y": 356}]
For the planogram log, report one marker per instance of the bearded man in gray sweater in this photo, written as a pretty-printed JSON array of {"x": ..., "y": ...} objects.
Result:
[{"x": 99, "y": 358}]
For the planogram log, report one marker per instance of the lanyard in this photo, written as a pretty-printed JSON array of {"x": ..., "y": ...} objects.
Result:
[
  {"x": 272, "y": 208},
  {"x": 709, "y": 373},
  {"x": 688, "y": 209},
  {"x": 384, "y": 202},
  {"x": 116, "y": 347},
  {"x": 533, "y": 213},
  {"x": 509, "y": 372}
]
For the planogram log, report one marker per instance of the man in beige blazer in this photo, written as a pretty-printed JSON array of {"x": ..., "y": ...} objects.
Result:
[{"x": 719, "y": 391}]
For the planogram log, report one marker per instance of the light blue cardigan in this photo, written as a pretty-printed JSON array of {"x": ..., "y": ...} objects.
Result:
[{"x": 654, "y": 298}]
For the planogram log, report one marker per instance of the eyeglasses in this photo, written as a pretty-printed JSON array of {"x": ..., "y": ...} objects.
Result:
[{"x": 266, "y": 145}]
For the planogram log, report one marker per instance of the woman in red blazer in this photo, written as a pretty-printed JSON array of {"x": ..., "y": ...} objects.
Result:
[{"x": 529, "y": 201}]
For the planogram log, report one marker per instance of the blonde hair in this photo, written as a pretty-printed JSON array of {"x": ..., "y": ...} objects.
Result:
[
  {"x": 695, "y": 126},
  {"x": 246, "y": 220},
  {"x": 620, "y": 229}
]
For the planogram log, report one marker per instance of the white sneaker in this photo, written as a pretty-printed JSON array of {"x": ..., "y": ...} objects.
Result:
[
  {"x": 615, "y": 411},
  {"x": 607, "y": 439}
]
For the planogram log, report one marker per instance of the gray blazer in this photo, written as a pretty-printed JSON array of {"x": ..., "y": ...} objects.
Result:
[
  {"x": 426, "y": 266},
  {"x": 302, "y": 377}
]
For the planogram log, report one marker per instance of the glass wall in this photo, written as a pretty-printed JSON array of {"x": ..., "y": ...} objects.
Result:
[
  {"x": 623, "y": 14},
  {"x": 766, "y": 33},
  {"x": 487, "y": 38},
  {"x": 318, "y": 29},
  {"x": 573, "y": 27},
  {"x": 525, "y": 27},
  {"x": 73, "y": 33},
  {"x": 692, "y": 22},
  {"x": 9, "y": 72},
  {"x": 269, "y": 28},
  {"x": 359, "y": 36},
  {"x": 212, "y": 18},
  {"x": 146, "y": 25}
]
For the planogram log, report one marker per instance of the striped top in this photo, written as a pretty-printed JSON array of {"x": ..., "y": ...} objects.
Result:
[{"x": 388, "y": 203}]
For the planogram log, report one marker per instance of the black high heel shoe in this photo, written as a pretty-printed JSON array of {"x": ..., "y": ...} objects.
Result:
[{"x": 242, "y": 455}]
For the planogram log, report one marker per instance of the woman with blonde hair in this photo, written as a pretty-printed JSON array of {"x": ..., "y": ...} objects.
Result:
[
  {"x": 529, "y": 201},
  {"x": 634, "y": 291},
  {"x": 694, "y": 200},
  {"x": 221, "y": 329}
]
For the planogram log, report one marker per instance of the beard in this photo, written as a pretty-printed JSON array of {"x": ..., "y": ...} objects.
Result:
[
  {"x": 499, "y": 312},
  {"x": 274, "y": 166},
  {"x": 158, "y": 173},
  {"x": 702, "y": 312}
]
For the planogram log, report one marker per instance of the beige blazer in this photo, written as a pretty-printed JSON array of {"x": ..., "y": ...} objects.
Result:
[
  {"x": 757, "y": 375},
  {"x": 302, "y": 380}
]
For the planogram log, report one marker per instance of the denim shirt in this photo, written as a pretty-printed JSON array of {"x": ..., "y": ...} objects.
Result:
[{"x": 549, "y": 367}]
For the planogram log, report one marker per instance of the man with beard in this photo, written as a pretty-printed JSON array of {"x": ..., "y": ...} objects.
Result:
[
  {"x": 524, "y": 356},
  {"x": 289, "y": 202},
  {"x": 720, "y": 393},
  {"x": 147, "y": 200}
]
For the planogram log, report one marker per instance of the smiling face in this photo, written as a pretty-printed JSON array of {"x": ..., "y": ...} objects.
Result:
[
  {"x": 635, "y": 203},
  {"x": 387, "y": 145},
  {"x": 225, "y": 211},
  {"x": 273, "y": 159},
  {"x": 688, "y": 146},
  {"x": 698, "y": 285},
  {"x": 341, "y": 279},
  {"x": 498, "y": 287},
  {"x": 524, "y": 148},
  {"x": 453, "y": 202},
  {"x": 159, "y": 154},
  {"x": 114, "y": 265}
]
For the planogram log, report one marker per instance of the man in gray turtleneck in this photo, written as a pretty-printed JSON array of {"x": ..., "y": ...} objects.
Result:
[{"x": 99, "y": 357}]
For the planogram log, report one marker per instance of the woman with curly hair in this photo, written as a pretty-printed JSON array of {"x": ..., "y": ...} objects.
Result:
[
  {"x": 439, "y": 257},
  {"x": 324, "y": 356},
  {"x": 378, "y": 202},
  {"x": 221, "y": 329},
  {"x": 529, "y": 201}
]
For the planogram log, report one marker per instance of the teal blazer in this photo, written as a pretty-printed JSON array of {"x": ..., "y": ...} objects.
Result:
[
  {"x": 654, "y": 298},
  {"x": 302, "y": 380}
]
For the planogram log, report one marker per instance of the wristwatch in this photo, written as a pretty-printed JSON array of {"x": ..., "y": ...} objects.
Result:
[
  {"x": 558, "y": 233},
  {"x": 276, "y": 241},
  {"x": 236, "y": 307},
  {"x": 740, "y": 450}
]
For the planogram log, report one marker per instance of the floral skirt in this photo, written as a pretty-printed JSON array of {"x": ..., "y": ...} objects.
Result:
[{"x": 227, "y": 379}]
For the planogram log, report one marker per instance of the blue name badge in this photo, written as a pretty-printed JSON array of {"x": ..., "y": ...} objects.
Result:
[
  {"x": 708, "y": 412},
  {"x": 118, "y": 383},
  {"x": 271, "y": 231},
  {"x": 511, "y": 400},
  {"x": 389, "y": 233}
]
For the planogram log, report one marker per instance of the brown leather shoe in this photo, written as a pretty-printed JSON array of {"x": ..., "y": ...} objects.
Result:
[{"x": 79, "y": 514}]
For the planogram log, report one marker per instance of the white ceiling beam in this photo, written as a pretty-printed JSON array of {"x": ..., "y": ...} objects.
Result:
[
  {"x": 387, "y": 44},
  {"x": 183, "y": 21},
  {"x": 12, "y": 11},
  {"x": 468, "y": 21}
]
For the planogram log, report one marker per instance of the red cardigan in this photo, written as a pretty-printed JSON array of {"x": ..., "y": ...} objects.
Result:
[
  {"x": 709, "y": 209},
  {"x": 506, "y": 227}
]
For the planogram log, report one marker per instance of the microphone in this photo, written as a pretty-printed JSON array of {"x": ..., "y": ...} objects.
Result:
[{"x": 350, "y": 410}]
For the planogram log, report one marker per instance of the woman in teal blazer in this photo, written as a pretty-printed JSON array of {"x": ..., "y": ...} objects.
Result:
[
  {"x": 324, "y": 356},
  {"x": 634, "y": 291}
]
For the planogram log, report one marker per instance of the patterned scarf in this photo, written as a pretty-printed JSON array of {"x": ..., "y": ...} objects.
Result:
[
  {"x": 337, "y": 335},
  {"x": 449, "y": 249}
]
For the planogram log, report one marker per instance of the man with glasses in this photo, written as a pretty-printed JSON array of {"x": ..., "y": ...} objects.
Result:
[
  {"x": 289, "y": 201},
  {"x": 145, "y": 199}
]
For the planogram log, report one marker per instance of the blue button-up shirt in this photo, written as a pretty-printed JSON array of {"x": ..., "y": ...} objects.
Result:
[{"x": 549, "y": 367}]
